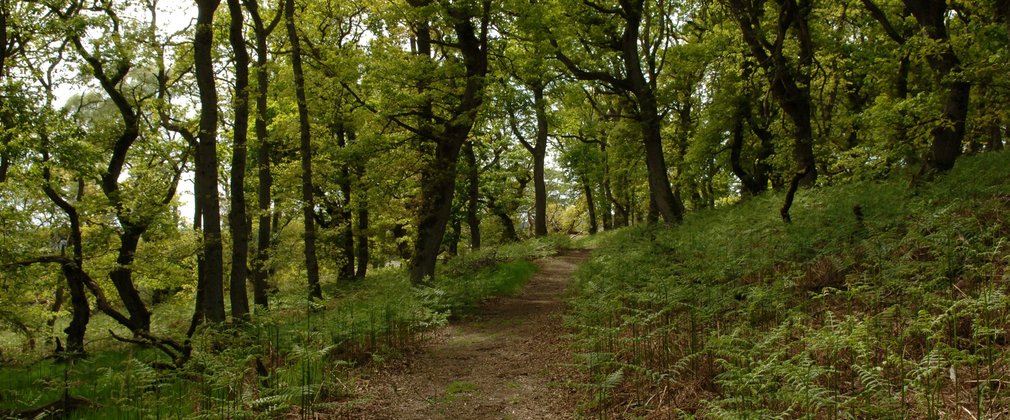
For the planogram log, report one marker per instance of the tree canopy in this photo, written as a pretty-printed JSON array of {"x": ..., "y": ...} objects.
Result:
[{"x": 324, "y": 138}]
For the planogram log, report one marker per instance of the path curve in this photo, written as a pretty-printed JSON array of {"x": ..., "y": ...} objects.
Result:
[{"x": 509, "y": 360}]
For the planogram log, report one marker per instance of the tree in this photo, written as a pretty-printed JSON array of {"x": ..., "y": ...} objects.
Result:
[
  {"x": 642, "y": 58},
  {"x": 133, "y": 223},
  {"x": 305, "y": 149},
  {"x": 439, "y": 131},
  {"x": 206, "y": 192},
  {"x": 264, "y": 154},
  {"x": 472, "y": 194},
  {"x": 949, "y": 134},
  {"x": 237, "y": 215},
  {"x": 73, "y": 267},
  {"x": 789, "y": 81}
]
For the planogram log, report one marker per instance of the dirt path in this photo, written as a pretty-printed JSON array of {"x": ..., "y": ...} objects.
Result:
[{"x": 506, "y": 361}]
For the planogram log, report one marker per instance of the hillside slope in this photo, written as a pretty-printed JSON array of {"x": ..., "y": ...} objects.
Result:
[{"x": 880, "y": 300}]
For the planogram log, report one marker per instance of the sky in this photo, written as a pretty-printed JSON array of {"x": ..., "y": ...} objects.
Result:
[{"x": 173, "y": 17}]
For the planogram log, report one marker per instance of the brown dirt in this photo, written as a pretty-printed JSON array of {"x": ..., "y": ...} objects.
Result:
[{"x": 509, "y": 360}]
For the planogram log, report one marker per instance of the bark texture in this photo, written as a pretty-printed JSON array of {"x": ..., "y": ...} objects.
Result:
[
  {"x": 264, "y": 154},
  {"x": 438, "y": 177},
  {"x": 237, "y": 218},
  {"x": 305, "y": 150},
  {"x": 206, "y": 163}
]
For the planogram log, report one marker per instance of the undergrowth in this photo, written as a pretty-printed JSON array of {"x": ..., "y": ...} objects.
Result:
[
  {"x": 900, "y": 312},
  {"x": 297, "y": 359}
]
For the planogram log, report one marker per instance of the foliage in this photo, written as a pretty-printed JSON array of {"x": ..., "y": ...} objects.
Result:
[
  {"x": 297, "y": 357},
  {"x": 621, "y": 99},
  {"x": 900, "y": 310}
]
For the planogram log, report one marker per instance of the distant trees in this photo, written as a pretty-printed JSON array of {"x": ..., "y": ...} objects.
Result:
[{"x": 389, "y": 133}]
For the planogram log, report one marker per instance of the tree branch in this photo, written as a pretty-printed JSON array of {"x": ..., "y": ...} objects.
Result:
[{"x": 881, "y": 17}]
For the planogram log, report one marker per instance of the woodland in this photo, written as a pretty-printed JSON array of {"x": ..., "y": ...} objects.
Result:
[{"x": 795, "y": 208}]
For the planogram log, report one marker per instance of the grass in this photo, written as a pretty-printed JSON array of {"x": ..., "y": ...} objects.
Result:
[
  {"x": 734, "y": 314},
  {"x": 295, "y": 358},
  {"x": 455, "y": 388}
]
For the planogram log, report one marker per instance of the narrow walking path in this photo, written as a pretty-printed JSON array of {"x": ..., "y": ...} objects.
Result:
[{"x": 509, "y": 360}]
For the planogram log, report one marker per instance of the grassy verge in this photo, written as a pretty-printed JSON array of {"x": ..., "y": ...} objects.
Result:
[
  {"x": 900, "y": 313},
  {"x": 299, "y": 357}
]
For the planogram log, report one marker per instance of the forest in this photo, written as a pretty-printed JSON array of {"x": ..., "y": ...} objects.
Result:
[{"x": 723, "y": 208}]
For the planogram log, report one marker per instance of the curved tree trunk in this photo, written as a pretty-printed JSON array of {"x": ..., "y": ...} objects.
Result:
[
  {"x": 75, "y": 331},
  {"x": 510, "y": 234},
  {"x": 72, "y": 268},
  {"x": 122, "y": 278},
  {"x": 133, "y": 226},
  {"x": 633, "y": 81},
  {"x": 789, "y": 83},
  {"x": 947, "y": 138}
]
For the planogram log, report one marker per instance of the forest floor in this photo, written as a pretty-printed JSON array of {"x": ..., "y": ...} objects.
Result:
[{"x": 509, "y": 359}]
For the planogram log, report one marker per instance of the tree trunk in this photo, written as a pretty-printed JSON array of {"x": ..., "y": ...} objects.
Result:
[
  {"x": 755, "y": 182},
  {"x": 345, "y": 223},
  {"x": 948, "y": 136},
  {"x": 72, "y": 269},
  {"x": 510, "y": 234},
  {"x": 438, "y": 177},
  {"x": 607, "y": 215},
  {"x": 237, "y": 216},
  {"x": 206, "y": 162},
  {"x": 122, "y": 278},
  {"x": 622, "y": 213},
  {"x": 201, "y": 282},
  {"x": 402, "y": 245},
  {"x": 789, "y": 83},
  {"x": 608, "y": 195},
  {"x": 133, "y": 226},
  {"x": 473, "y": 194},
  {"x": 995, "y": 138},
  {"x": 438, "y": 183},
  {"x": 666, "y": 203},
  {"x": 750, "y": 184},
  {"x": 5, "y": 139},
  {"x": 590, "y": 206},
  {"x": 362, "y": 234},
  {"x": 539, "y": 156},
  {"x": 74, "y": 274},
  {"x": 308, "y": 202},
  {"x": 260, "y": 271},
  {"x": 452, "y": 238}
]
